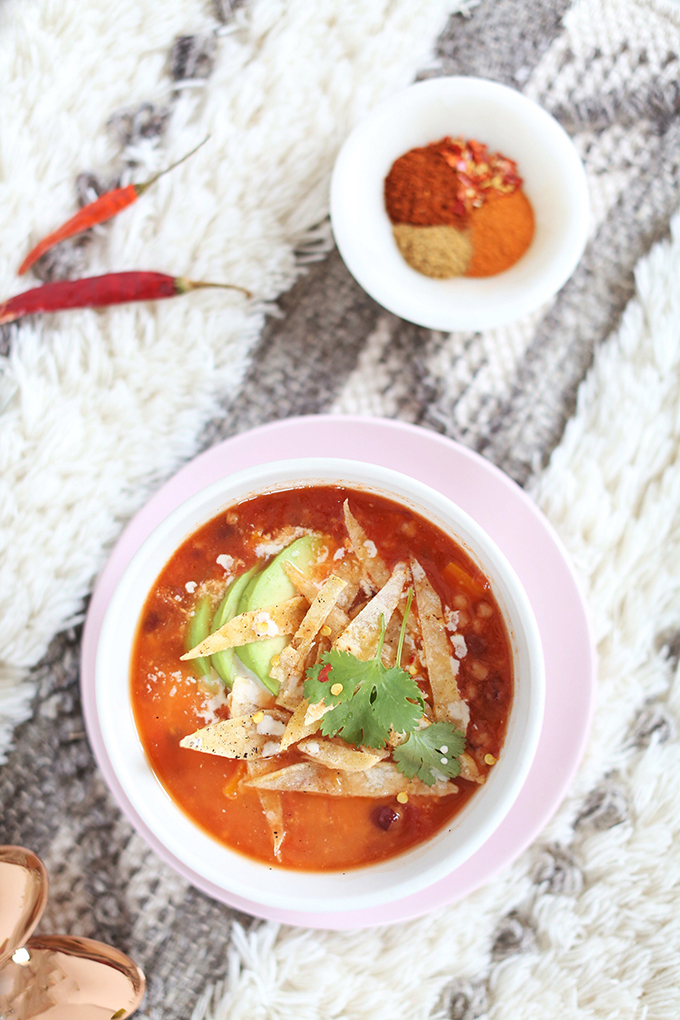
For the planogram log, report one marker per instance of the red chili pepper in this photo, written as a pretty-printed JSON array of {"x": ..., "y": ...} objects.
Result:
[
  {"x": 102, "y": 209},
  {"x": 99, "y": 291}
]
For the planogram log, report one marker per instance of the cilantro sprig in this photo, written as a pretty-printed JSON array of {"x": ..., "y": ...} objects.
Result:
[
  {"x": 431, "y": 754},
  {"x": 368, "y": 701},
  {"x": 372, "y": 701}
]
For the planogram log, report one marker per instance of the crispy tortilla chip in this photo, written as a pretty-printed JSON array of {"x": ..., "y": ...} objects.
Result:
[
  {"x": 316, "y": 712},
  {"x": 365, "y": 550},
  {"x": 290, "y": 668},
  {"x": 247, "y": 696},
  {"x": 255, "y": 625},
  {"x": 337, "y": 618},
  {"x": 447, "y": 704},
  {"x": 363, "y": 633},
  {"x": 272, "y": 806},
  {"x": 335, "y": 754},
  {"x": 247, "y": 736},
  {"x": 381, "y": 780},
  {"x": 297, "y": 728},
  {"x": 317, "y": 614},
  {"x": 350, "y": 570},
  {"x": 469, "y": 769}
]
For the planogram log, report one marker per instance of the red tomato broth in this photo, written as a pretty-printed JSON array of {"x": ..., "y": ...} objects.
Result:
[{"x": 322, "y": 832}]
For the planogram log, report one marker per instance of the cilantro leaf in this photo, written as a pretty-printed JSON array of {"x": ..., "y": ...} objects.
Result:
[
  {"x": 431, "y": 753},
  {"x": 374, "y": 698}
]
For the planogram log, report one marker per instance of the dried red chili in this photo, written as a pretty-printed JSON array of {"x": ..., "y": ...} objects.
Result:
[
  {"x": 101, "y": 291},
  {"x": 102, "y": 209}
]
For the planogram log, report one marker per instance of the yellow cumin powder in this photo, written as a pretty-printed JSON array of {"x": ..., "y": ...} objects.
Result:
[{"x": 440, "y": 251}]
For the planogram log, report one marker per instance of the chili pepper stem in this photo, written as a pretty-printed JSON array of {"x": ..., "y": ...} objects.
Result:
[
  {"x": 183, "y": 286},
  {"x": 140, "y": 188}
]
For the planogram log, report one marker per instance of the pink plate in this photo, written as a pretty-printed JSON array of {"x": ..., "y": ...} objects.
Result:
[{"x": 531, "y": 546}]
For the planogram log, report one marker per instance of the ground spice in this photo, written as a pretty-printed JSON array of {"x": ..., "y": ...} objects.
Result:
[
  {"x": 501, "y": 230},
  {"x": 421, "y": 189},
  {"x": 441, "y": 251},
  {"x": 446, "y": 185}
]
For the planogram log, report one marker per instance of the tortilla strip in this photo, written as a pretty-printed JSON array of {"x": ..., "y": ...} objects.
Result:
[
  {"x": 363, "y": 633},
  {"x": 272, "y": 807},
  {"x": 246, "y": 697},
  {"x": 297, "y": 728},
  {"x": 470, "y": 770},
  {"x": 381, "y": 780},
  {"x": 337, "y": 619},
  {"x": 290, "y": 667},
  {"x": 246, "y": 736},
  {"x": 447, "y": 703},
  {"x": 365, "y": 549},
  {"x": 282, "y": 618},
  {"x": 338, "y": 755},
  {"x": 316, "y": 712}
]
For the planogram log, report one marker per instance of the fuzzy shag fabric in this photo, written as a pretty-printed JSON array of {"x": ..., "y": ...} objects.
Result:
[{"x": 580, "y": 404}]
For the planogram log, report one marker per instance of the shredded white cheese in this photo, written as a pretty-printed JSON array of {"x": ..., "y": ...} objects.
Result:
[
  {"x": 459, "y": 646},
  {"x": 265, "y": 549},
  {"x": 271, "y": 727},
  {"x": 451, "y": 619},
  {"x": 264, "y": 625}
]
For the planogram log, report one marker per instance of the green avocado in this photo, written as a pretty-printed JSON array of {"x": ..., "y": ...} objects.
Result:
[
  {"x": 270, "y": 586},
  {"x": 224, "y": 662},
  {"x": 198, "y": 629}
]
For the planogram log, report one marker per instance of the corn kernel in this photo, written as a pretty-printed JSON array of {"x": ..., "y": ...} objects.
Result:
[
  {"x": 258, "y": 717},
  {"x": 489, "y": 759},
  {"x": 337, "y": 689},
  {"x": 326, "y": 630},
  {"x": 402, "y": 797}
]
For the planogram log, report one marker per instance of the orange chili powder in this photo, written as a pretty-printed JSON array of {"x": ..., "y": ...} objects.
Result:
[{"x": 501, "y": 230}]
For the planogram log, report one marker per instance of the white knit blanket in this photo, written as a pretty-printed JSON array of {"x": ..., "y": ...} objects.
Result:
[{"x": 97, "y": 408}]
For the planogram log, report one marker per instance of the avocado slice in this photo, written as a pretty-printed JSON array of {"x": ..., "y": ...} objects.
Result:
[
  {"x": 224, "y": 662},
  {"x": 270, "y": 586},
  {"x": 198, "y": 629}
]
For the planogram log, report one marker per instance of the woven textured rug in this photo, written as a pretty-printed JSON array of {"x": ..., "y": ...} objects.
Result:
[{"x": 580, "y": 405}]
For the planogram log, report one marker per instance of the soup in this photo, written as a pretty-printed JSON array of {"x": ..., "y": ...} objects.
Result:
[{"x": 321, "y": 678}]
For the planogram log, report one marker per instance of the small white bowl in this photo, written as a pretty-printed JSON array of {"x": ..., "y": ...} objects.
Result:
[
  {"x": 238, "y": 875},
  {"x": 506, "y": 121}
]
